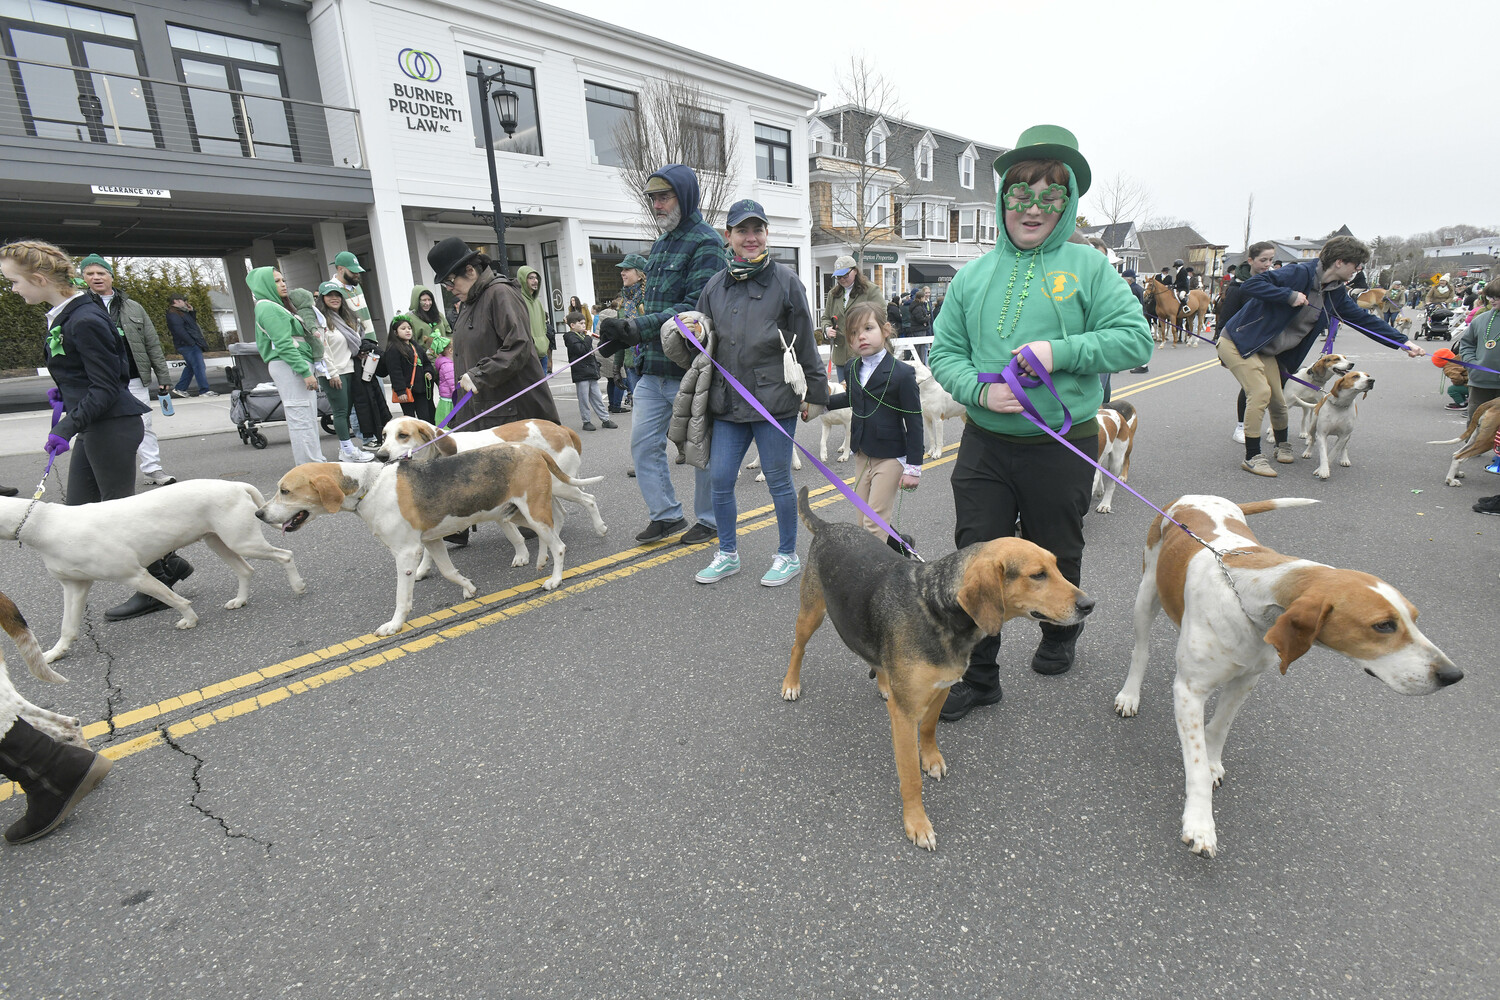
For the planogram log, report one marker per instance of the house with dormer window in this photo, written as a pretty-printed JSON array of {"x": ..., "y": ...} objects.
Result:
[{"x": 912, "y": 204}]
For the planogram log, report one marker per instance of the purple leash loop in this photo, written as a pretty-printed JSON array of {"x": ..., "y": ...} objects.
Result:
[
  {"x": 1388, "y": 340},
  {"x": 828, "y": 473}
]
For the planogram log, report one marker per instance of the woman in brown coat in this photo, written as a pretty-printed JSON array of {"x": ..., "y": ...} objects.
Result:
[{"x": 493, "y": 354}]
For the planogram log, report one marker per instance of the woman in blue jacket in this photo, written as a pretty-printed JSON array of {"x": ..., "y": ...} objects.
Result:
[{"x": 1285, "y": 309}]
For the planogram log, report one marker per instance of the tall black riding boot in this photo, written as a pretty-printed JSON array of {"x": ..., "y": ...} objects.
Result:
[
  {"x": 55, "y": 776},
  {"x": 1055, "y": 653},
  {"x": 169, "y": 569}
]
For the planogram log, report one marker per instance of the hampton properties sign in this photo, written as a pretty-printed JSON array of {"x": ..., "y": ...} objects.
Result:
[{"x": 425, "y": 108}]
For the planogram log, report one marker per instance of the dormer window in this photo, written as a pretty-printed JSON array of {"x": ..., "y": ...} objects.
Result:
[
  {"x": 925, "y": 150},
  {"x": 966, "y": 169},
  {"x": 875, "y": 146}
]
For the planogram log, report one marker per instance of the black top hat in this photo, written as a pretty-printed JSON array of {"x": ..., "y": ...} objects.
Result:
[{"x": 448, "y": 256}]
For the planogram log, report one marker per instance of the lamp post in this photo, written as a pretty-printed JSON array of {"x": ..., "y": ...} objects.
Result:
[{"x": 506, "y": 103}]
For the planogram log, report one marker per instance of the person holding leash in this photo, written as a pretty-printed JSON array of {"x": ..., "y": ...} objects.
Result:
[
  {"x": 1066, "y": 304},
  {"x": 1285, "y": 309}
]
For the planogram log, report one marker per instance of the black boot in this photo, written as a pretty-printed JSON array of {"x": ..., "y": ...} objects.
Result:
[
  {"x": 980, "y": 684},
  {"x": 168, "y": 569},
  {"x": 458, "y": 538},
  {"x": 55, "y": 776},
  {"x": 1055, "y": 653}
]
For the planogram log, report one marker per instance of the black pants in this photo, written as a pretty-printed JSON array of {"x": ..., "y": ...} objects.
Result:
[
  {"x": 1045, "y": 485},
  {"x": 423, "y": 408},
  {"x": 1479, "y": 395},
  {"x": 103, "y": 466}
]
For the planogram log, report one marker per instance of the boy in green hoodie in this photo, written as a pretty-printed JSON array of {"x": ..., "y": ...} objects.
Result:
[
  {"x": 530, "y": 282},
  {"x": 1065, "y": 302}
]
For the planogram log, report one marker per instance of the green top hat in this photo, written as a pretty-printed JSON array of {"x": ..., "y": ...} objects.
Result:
[{"x": 1047, "y": 142}]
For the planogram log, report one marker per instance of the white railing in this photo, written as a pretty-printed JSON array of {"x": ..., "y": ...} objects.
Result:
[
  {"x": 821, "y": 147},
  {"x": 79, "y": 104}
]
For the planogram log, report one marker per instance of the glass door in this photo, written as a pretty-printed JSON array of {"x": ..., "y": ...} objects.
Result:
[
  {"x": 269, "y": 116},
  {"x": 256, "y": 122},
  {"x": 552, "y": 287},
  {"x": 213, "y": 117},
  {"x": 62, "y": 103}
]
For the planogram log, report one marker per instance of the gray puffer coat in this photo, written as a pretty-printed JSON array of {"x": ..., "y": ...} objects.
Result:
[{"x": 692, "y": 424}]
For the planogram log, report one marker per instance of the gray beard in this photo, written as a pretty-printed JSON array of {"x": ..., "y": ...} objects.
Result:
[{"x": 670, "y": 221}]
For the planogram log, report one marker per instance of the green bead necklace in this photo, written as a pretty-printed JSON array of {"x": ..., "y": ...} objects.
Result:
[{"x": 1010, "y": 288}]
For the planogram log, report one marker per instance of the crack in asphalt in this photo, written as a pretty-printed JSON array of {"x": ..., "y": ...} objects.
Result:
[
  {"x": 198, "y": 763},
  {"x": 113, "y": 692}
]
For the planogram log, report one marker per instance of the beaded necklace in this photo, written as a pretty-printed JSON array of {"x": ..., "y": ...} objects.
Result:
[{"x": 1010, "y": 288}]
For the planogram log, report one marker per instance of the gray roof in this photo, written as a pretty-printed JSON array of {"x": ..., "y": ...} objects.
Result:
[
  {"x": 1113, "y": 234},
  {"x": 1460, "y": 262},
  {"x": 900, "y": 154},
  {"x": 1163, "y": 246}
]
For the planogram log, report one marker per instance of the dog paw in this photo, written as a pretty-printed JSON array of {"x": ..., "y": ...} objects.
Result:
[
  {"x": 791, "y": 692},
  {"x": 1201, "y": 838},
  {"x": 601, "y": 530},
  {"x": 1460, "y": 474},
  {"x": 760, "y": 478},
  {"x": 1322, "y": 473},
  {"x": 919, "y": 831},
  {"x": 300, "y": 587},
  {"x": 550, "y": 584},
  {"x": 1454, "y": 482},
  {"x": 1103, "y": 508},
  {"x": 469, "y": 589},
  {"x": 1216, "y": 771},
  {"x": 1127, "y": 705},
  {"x": 389, "y": 628},
  {"x": 234, "y": 603},
  {"x": 933, "y": 764},
  {"x": 1344, "y": 463},
  {"x": 186, "y": 623},
  {"x": 521, "y": 559},
  {"x": 55, "y": 653}
]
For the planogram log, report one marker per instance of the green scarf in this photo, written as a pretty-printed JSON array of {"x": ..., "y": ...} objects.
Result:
[{"x": 741, "y": 269}]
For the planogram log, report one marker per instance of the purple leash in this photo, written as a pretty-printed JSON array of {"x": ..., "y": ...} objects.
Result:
[
  {"x": 828, "y": 473},
  {"x": 1388, "y": 340}
]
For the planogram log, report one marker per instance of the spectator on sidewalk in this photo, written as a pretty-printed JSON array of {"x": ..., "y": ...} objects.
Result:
[
  {"x": 336, "y": 371},
  {"x": 427, "y": 320},
  {"x": 921, "y": 319},
  {"x": 409, "y": 367},
  {"x": 187, "y": 337},
  {"x": 285, "y": 345},
  {"x": 586, "y": 369},
  {"x": 144, "y": 357},
  {"x": 361, "y": 395},
  {"x": 529, "y": 281},
  {"x": 347, "y": 271},
  {"x": 688, "y": 253},
  {"x": 850, "y": 288}
]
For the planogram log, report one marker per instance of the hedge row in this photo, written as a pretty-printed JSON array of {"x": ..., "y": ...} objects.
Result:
[{"x": 23, "y": 328}]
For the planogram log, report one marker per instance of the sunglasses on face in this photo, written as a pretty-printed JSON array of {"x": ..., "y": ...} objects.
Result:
[{"x": 1051, "y": 198}]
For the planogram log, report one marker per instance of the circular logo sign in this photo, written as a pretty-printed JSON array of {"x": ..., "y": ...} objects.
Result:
[
  {"x": 557, "y": 301},
  {"x": 419, "y": 65}
]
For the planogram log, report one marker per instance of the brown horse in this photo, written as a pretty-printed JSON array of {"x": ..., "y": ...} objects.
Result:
[{"x": 1180, "y": 319}]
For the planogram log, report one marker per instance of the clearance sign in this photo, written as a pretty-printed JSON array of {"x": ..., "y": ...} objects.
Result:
[{"x": 425, "y": 109}]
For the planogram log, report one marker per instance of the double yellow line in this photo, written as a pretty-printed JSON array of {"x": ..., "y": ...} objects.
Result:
[{"x": 618, "y": 567}]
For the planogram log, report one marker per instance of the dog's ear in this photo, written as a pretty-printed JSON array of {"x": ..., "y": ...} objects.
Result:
[
  {"x": 329, "y": 493},
  {"x": 1297, "y": 629},
  {"x": 982, "y": 592},
  {"x": 445, "y": 444}
]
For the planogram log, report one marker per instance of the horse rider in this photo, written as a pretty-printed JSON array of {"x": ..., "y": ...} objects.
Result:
[{"x": 1183, "y": 284}]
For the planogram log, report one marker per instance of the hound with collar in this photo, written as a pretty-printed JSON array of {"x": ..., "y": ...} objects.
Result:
[
  {"x": 1117, "y": 423},
  {"x": 118, "y": 539},
  {"x": 1261, "y": 609},
  {"x": 1478, "y": 438},
  {"x": 1318, "y": 373},
  {"x": 1333, "y": 420},
  {"x": 404, "y": 435},
  {"x": 410, "y": 506}
]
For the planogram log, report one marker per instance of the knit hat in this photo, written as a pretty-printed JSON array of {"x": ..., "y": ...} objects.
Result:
[{"x": 93, "y": 259}]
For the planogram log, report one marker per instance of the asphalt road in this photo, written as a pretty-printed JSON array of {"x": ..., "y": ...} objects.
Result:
[{"x": 600, "y": 793}]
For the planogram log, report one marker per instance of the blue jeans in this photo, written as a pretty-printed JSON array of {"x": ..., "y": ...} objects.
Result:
[
  {"x": 730, "y": 443},
  {"x": 192, "y": 364},
  {"x": 648, "y": 449}
]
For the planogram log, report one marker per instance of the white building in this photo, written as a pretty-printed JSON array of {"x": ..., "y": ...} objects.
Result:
[
  {"x": 1487, "y": 245},
  {"x": 411, "y": 70}
]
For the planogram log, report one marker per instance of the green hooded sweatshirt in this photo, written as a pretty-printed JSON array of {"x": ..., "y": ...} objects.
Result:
[
  {"x": 278, "y": 334},
  {"x": 423, "y": 331},
  {"x": 1075, "y": 299},
  {"x": 536, "y": 310}
]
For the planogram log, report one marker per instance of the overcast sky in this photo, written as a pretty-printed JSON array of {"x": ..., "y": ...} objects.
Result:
[{"x": 1331, "y": 114}]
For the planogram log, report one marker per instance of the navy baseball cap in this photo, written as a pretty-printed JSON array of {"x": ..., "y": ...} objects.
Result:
[{"x": 744, "y": 209}]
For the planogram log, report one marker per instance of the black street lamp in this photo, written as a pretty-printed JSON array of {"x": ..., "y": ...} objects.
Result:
[{"x": 506, "y": 103}]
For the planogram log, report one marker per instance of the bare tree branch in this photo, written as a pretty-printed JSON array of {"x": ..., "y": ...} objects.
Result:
[
  {"x": 1121, "y": 199},
  {"x": 677, "y": 122}
]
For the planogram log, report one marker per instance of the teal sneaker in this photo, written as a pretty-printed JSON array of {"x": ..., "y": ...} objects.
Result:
[
  {"x": 724, "y": 564},
  {"x": 783, "y": 568}
]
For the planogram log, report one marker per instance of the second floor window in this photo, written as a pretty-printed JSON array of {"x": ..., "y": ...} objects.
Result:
[
  {"x": 966, "y": 170},
  {"x": 522, "y": 80},
  {"x": 255, "y": 122},
  {"x": 773, "y": 153},
  {"x": 987, "y": 225},
  {"x": 613, "y": 123},
  {"x": 966, "y": 226},
  {"x": 702, "y": 138},
  {"x": 924, "y": 162},
  {"x": 875, "y": 148},
  {"x": 935, "y": 221},
  {"x": 911, "y": 220},
  {"x": 877, "y": 205}
]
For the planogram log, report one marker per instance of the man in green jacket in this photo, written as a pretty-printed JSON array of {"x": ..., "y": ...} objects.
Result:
[
  {"x": 145, "y": 356},
  {"x": 530, "y": 282}
]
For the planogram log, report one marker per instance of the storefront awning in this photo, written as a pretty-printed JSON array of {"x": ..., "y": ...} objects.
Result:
[{"x": 929, "y": 272}]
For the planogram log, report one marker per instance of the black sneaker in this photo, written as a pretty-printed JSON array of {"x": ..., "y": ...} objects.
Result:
[
  {"x": 962, "y": 697},
  {"x": 657, "y": 530},
  {"x": 1488, "y": 505},
  {"x": 1456, "y": 406},
  {"x": 1055, "y": 653},
  {"x": 699, "y": 532},
  {"x": 589, "y": 427},
  {"x": 609, "y": 425},
  {"x": 1143, "y": 369}
]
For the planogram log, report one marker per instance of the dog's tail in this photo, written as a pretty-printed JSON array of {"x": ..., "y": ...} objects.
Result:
[
  {"x": 811, "y": 521},
  {"x": 562, "y": 476},
  {"x": 1124, "y": 409},
  {"x": 1261, "y": 506},
  {"x": 1468, "y": 431},
  {"x": 255, "y": 495},
  {"x": 16, "y": 627}
]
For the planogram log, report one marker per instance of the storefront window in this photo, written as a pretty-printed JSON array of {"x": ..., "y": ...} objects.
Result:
[
  {"x": 528, "y": 137},
  {"x": 606, "y": 254},
  {"x": 612, "y": 119}
]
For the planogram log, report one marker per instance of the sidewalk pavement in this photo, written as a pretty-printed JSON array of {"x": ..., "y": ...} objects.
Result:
[{"x": 25, "y": 433}]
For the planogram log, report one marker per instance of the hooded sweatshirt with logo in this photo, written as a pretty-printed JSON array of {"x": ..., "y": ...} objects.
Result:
[
  {"x": 677, "y": 271},
  {"x": 278, "y": 333},
  {"x": 535, "y": 309},
  {"x": 1074, "y": 299},
  {"x": 422, "y": 329}
]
